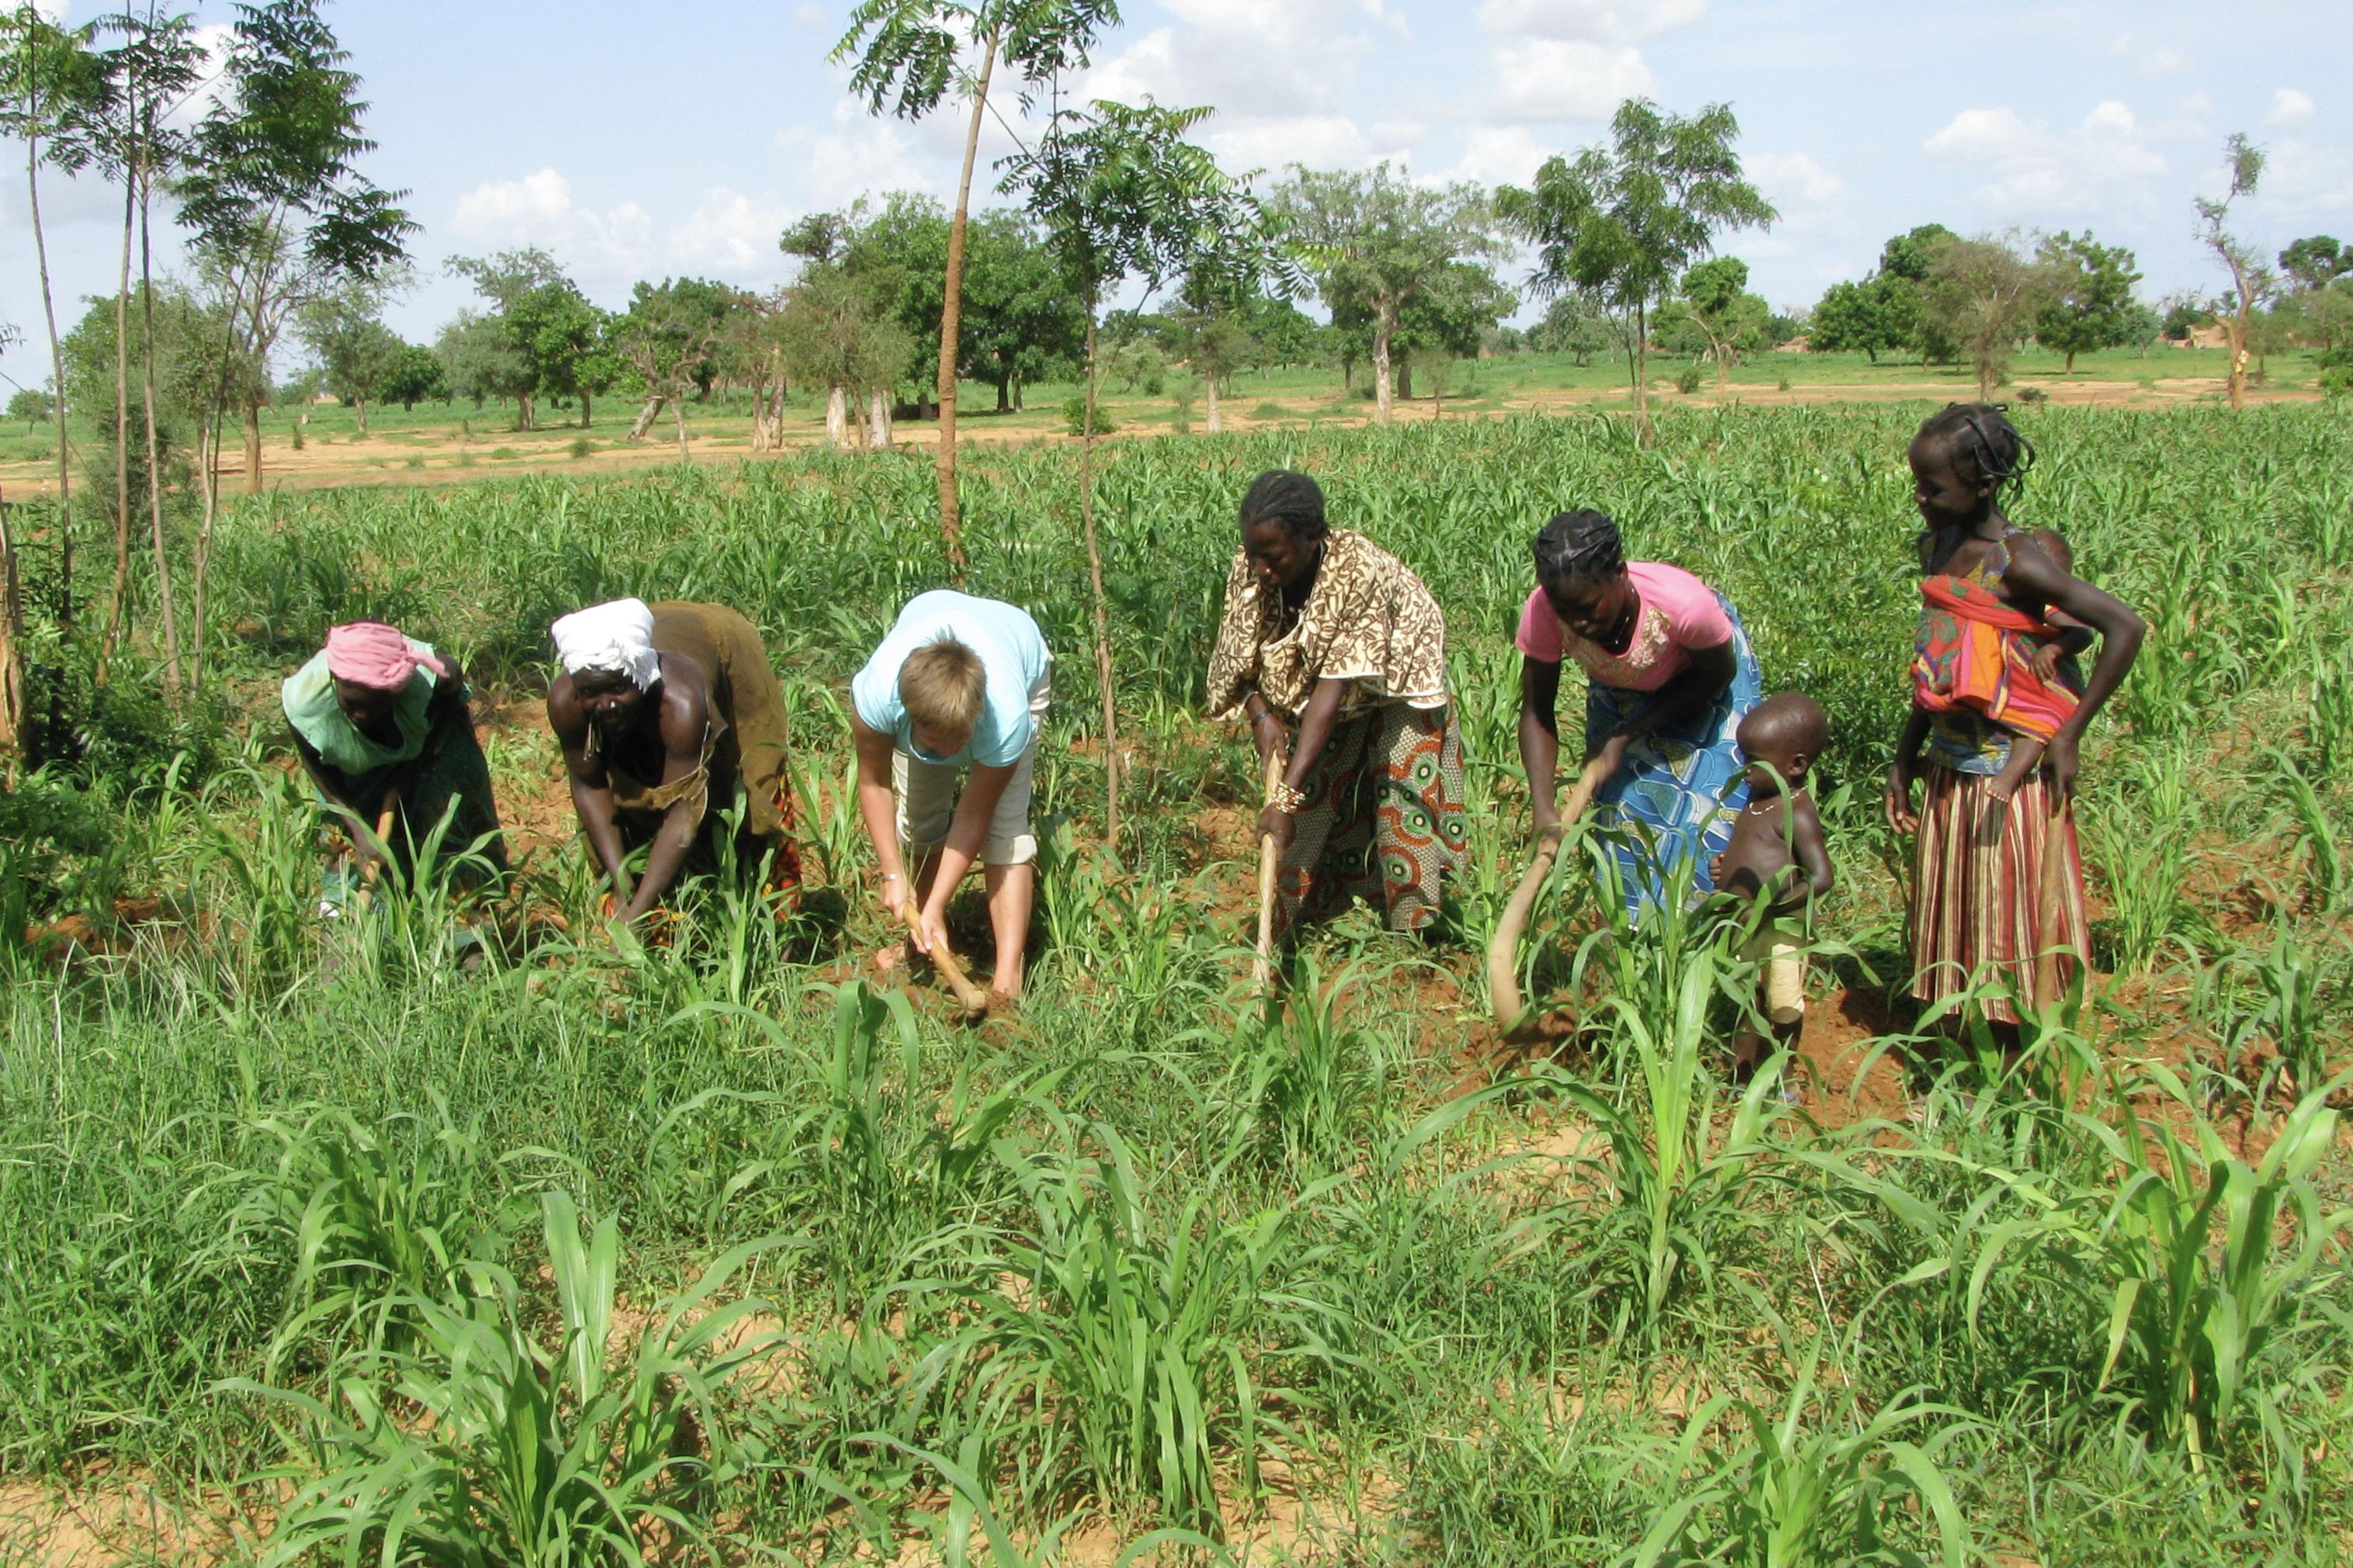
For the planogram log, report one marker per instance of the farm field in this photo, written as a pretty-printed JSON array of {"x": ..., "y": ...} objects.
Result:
[
  {"x": 456, "y": 443},
  {"x": 713, "y": 1251}
]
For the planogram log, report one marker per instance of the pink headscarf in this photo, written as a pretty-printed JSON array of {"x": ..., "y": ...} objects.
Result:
[{"x": 371, "y": 654}]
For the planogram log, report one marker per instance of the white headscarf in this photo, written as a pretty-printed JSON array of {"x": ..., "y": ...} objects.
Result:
[{"x": 618, "y": 636}]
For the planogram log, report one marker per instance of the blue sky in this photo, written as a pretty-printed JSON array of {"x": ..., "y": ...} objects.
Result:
[{"x": 636, "y": 140}]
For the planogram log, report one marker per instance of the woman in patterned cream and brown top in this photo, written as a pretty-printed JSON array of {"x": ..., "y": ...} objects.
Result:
[{"x": 1329, "y": 635}]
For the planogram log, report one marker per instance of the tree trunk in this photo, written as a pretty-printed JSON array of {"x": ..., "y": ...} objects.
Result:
[
  {"x": 360, "y": 405},
  {"x": 1384, "y": 389},
  {"x": 678, "y": 410},
  {"x": 1018, "y": 407},
  {"x": 878, "y": 419},
  {"x": 2238, "y": 338},
  {"x": 207, "y": 460},
  {"x": 119, "y": 604},
  {"x": 837, "y": 416},
  {"x": 154, "y": 456},
  {"x": 647, "y": 416},
  {"x": 527, "y": 415},
  {"x": 952, "y": 319},
  {"x": 252, "y": 448},
  {"x": 2071, "y": 362},
  {"x": 11, "y": 652},
  {"x": 1102, "y": 612},
  {"x": 58, "y": 392},
  {"x": 1641, "y": 358},
  {"x": 1005, "y": 395},
  {"x": 1405, "y": 378},
  {"x": 584, "y": 408},
  {"x": 1210, "y": 396}
]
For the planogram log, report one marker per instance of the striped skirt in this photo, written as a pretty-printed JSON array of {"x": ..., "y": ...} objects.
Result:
[{"x": 1977, "y": 881}]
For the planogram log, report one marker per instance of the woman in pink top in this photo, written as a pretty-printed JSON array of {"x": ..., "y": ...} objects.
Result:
[{"x": 1669, "y": 674}]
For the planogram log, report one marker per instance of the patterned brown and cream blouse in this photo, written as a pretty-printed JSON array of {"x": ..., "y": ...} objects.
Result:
[{"x": 1368, "y": 621}]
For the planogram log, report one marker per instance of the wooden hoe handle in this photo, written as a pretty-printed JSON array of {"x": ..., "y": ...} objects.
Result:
[
  {"x": 1269, "y": 863},
  {"x": 384, "y": 840},
  {"x": 970, "y": 997},
  {"x": 2050, "y": 904},
  {"x": 1503, "y": 953}
]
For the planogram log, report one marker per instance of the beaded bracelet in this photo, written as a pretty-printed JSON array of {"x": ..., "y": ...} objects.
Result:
[{"x": 1286, "y": 798}]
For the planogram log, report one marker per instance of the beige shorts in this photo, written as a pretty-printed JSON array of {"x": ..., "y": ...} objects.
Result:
[
  {"x": 1779, "y": 953},
  {"x": 926, "y": 794}
]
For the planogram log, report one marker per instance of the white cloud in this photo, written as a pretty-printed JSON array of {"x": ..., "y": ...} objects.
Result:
[
  {"x": 1275, "y": 73},
  {"x": 2289, "y": 108},
  {"x": 1789, "y": 178},
  {"x": 1499, "y": 154},
  {"x": 2167, "y": 62},
  {"x": 731, "y": 235},
  {"x": 1589, "y": 21},
  {"x": 2305, "y": 182},
  {"x": 2035, "y": 171},
  {"x": 808, "y": 15},
  {"x": 614, "y": 246},
  {"x": 1552, "y": 79}
]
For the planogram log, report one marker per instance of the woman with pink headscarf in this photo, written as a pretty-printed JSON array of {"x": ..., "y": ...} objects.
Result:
[{"x": 382, "y": 724}]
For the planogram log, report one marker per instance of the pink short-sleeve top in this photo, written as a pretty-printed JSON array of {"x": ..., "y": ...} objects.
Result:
[{"x": 1678, "y": 613}]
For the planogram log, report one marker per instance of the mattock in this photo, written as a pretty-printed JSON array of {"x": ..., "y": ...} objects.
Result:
[
  {"x": 970, "y": 997},
  {"x": 1503, "y": 953}
]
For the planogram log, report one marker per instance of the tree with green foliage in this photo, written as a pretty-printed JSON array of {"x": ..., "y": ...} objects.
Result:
[
  {"x": 415, "y": 377},
  {"x": 53, "y": 91},
  {"x": 1851, "y": 317},
  {"x": 1624, "y": 223},
  {"x": 1715, "y": 299},
  {"x": 1983, "y": 296},
  {"x": 1448, "y": 321},
  {"x": 2089, "y": 301},
  {"x": 555, "y": 335},
  {"x": 346, "y": 334},
  {"x": 908, "y": 54},
  {"x": 836, "y": 331},
  {"x": 153, "y": 72},
  {"x": 278, "y": 215},
  {"x": 1282, "y": 333},
  {"x": 1121, "y": 194},
  {"x": 1018, "y": 324},
  {"x": 1374, "y": 239},
  {"x": 478, "y": 360},
  {"x": 2250, "y": 282},
  {"x": 662, "y": 320},
  {"x": 1573, "y": 324},
  {"x": 2316, "y": 262}
]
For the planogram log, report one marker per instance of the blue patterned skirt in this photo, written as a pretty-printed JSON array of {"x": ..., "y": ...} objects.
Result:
[{"x": 1681, "y": 786}]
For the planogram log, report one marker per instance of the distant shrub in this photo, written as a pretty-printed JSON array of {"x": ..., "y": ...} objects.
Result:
[
  {"x": 581, "y": 447},
  {"x": 1075, "y": 417},
  {"x": 1688, "y": 382}
]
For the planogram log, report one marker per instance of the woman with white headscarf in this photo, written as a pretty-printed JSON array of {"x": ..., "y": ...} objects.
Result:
[{"x": 660, "y": 710}]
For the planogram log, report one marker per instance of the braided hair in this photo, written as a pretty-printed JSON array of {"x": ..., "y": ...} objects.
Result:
[
  {"x": 1579, "y": 546},
  {"x": 1289, "y": 497},
  {"x": 1986, "y": 447}
]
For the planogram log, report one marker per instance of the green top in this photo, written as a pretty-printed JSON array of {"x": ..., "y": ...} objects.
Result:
[{"x": 309, "y": 698}]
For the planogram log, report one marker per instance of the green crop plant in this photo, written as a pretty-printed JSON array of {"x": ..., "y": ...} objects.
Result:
[
  {"x": 1842, "y": 1487},
  {"x": 1163, "y": 1348},
  {"x": 2294, "y": 995},
  {"x": 2201, "y": 1259},
  {"x": 497, "y": 1445},
  {"x": 378, "y": 1218},
  {"x": 1679, "y": 1185}
]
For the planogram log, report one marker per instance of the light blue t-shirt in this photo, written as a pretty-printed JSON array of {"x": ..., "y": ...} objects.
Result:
[{"x": 1012, "y": 650}]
